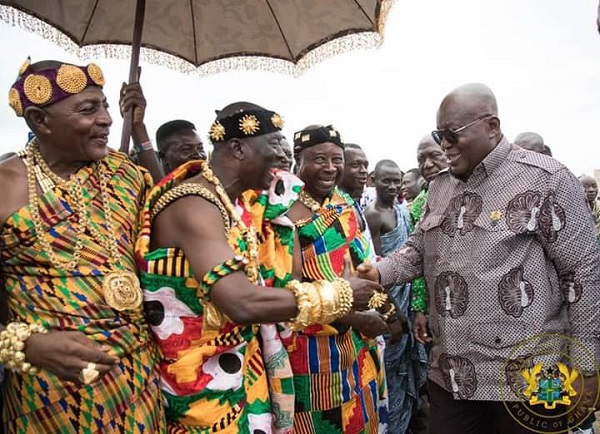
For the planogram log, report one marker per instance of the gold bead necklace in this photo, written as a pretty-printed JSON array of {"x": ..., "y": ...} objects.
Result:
[
  {"x": 248, "y": 233},
  {"x": 121, "y": 288},
  {"x": 308, "y": 201}
]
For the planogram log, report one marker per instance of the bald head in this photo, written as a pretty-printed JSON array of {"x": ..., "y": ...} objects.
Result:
[
  {"x": 474, "y": 100},
  {"x": 530, "y": 141},
  {"x": 427, "y": 141},
  {"x": 468, "y": 127}
]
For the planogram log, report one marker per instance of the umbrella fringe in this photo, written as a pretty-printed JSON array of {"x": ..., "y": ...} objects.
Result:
[{"x": 248, "y": 62}]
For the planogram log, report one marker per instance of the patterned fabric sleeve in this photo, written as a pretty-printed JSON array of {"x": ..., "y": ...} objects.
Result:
[
  {"x": 568, "y": 237},
  {"x": 404, "y": 264}
]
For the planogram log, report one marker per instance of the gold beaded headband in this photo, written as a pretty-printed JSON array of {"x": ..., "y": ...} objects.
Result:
[
  {"x": 50, "y": 85},
  {"x": 247, "y": 123}
]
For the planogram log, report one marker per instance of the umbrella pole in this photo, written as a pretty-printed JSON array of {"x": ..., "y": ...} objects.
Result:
[{"x": 138, "y": 28}]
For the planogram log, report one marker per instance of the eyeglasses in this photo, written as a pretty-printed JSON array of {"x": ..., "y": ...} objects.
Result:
[{"x": 451, "y": 136}]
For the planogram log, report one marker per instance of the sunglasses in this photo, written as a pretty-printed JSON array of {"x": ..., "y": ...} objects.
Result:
[{"x": 451, "y": 136}]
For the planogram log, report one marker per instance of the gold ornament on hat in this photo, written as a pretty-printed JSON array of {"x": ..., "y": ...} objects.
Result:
[
  {"x": 37, "y": 89},
  {"x": 277, "y": 121},
  {"x": 14, "y": 100},
  {"x": 249, "y": 124},
  {"x": 217, "y": 131},
  {"x": 71, "y": 79},
  {"x": 24, "y": 66},
  {"x": 95, "y": 74}
]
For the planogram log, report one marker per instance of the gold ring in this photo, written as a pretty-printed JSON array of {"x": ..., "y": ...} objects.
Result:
[
  {"x": 377, "y": 300},
  {"x": 89, "y": 374}
]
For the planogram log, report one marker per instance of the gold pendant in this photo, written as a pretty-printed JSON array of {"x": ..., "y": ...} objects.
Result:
[
  {"x": 122, "y": 290},
  {"x": 213, "y": 318}
]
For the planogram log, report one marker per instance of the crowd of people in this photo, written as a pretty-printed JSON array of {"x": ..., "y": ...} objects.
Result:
[{"x": 278, "y": 286}]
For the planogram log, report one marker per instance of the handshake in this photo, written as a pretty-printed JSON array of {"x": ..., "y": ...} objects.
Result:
[{"x": 377, "y": 314}]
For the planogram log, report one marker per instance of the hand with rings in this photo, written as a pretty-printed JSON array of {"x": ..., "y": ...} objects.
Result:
[
  {"x": 71, "y": 356},
  {"x": 363, "y": 290},
  {"x": 89, "y": 374}
]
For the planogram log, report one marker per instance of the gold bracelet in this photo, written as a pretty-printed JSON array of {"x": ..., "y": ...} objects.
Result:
[
  {"x": 12, "y": 346},
  {"x": 346, "y": 296},
  {"x": 305, "y": 304},
  {"x": 329, "y": 302}
]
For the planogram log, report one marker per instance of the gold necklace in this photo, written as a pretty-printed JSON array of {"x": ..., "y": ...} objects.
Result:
[
  {"x": 308, "y": 201},
  {"x": 121, "y": 288},
  {"x": 248, "y": 233}
]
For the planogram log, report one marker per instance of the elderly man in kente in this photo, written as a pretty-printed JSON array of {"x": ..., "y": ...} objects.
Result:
[
  {"x": 513, "y": 273},
  {"x": 337, "y": 370},
  {"x": 208, "y": 282},
  {"x": 80, "y": 355}
]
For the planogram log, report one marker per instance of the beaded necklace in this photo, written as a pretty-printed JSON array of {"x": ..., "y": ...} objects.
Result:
[
  {"x": 121, "y": 288},
  {"x": 248, "y": 233},
  {"x": 308, "y": 201}
]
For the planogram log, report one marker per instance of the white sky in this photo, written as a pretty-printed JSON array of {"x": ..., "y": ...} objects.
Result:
[{"x": 541, "y": 58}]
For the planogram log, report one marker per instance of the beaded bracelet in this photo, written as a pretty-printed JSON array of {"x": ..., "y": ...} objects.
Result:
[
  {"x": 12, "y": 346},
  {"x": 221, "y": 270},
  {"x": 346, "y": 296},
  {"x": 141, "y": 147}
]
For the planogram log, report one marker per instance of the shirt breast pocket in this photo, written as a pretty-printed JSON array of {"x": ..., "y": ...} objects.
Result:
[{"x": 432, "y": 238}]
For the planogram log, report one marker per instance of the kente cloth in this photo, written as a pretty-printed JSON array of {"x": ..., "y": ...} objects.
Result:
[
  {"x": 127, "y": 398},
  {"x": 406, "y": 360},
  {"x": 513, "y": 272},
  {"x": 219, "y": 377},
  {"x": 338, "y": 376},
  {"x": 419, "y": 286}
]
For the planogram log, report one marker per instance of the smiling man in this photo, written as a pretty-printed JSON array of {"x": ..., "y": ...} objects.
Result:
[
  {"x": 69, "y": 221},
  {"x": 405, "y": 360},
  {"x": 337, "y": 370},
  {"x": 509, "y": 253},
  {"x": 178, "y": 142}
]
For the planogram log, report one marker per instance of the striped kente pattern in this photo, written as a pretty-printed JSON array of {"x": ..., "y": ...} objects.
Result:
[
  {"x": 214, "y": 378},
  {"x": 125, "y": 400},
  {"x": 338, "y": 376}
]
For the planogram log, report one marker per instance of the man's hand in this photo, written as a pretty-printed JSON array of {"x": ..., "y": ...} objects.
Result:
[
  {"x": 370, "y": 323},
  {"x": 397, "y": 329},
  {"x": 363, "y": 289},
  {"x": 132, "y": 97},
  {"x": 368, "y": 271},
  {"x": 586, "y": 401},
  {"x": 420, "y": 328},
  {"x": 65, "y": 354}
]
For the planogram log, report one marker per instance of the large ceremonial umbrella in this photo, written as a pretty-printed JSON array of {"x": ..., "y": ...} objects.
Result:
[{"x": 204, "y": 35}]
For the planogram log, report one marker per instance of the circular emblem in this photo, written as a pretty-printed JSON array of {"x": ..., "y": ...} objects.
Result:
[
  {"x": 249, "y": 124},
  {"x": 71, "y": 79},
  {"x": 96, "y": 74},
  {"x": 24, "y": 66},
  {"x": 37, "y": 89},
  {"x": 277, "y": 121},
  {"x": 217, "y": 131},
  {"x": 542, "y": 387},
  {"x": 122, "y": 290},
  {"x": 14, "y": 100}
]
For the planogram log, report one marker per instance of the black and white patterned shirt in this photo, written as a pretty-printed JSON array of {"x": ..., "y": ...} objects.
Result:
[{"x": 508, "y": 255}]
